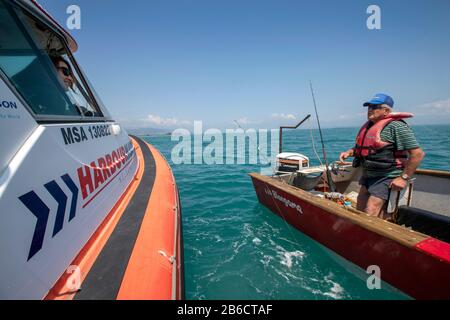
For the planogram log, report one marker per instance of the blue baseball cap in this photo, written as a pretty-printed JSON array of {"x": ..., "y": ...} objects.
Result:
[{"x": 380, "y": 98}]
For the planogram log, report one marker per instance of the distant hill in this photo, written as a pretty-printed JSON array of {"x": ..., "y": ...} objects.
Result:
[{"x": 147, "y": 131}]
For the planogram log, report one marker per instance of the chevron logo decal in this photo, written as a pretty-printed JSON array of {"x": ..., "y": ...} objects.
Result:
[{"x": 41, "y": 211}]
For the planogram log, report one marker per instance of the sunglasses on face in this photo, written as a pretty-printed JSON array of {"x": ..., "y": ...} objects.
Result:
[
  {"x": 375, "y": 106},
  {"x": 65, "y": 71}
]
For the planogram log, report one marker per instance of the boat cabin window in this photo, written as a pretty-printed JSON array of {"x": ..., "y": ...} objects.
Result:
[
  {"x": 37, "y": 63},
  {"x": 73, "y": 87}
]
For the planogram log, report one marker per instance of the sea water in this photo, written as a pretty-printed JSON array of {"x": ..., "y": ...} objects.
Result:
[{"x": 234, "y": 248}]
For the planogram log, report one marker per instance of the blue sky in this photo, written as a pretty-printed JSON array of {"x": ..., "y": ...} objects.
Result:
[{"x": 167, "y": 63}]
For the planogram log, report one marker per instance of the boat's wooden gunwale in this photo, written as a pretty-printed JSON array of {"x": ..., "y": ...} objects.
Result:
[
  {"x": 434, "y": 173},
  {"x": 389, "y": 230}
]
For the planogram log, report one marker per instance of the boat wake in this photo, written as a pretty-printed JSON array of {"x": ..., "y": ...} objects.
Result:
[{"x": 287, "y": 258}]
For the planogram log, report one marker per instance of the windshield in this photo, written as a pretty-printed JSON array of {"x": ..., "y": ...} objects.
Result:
[{"x": 35, "y": 60}]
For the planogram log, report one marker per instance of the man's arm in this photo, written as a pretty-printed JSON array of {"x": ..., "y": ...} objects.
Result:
[
  {"x": 346, "y": 154},
  {"x": 415, "y": 158}
]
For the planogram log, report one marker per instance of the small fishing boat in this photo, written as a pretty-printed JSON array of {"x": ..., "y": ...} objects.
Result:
[
  {"x": 86, "y": 211},
  {"x": 412, "y": 251}
]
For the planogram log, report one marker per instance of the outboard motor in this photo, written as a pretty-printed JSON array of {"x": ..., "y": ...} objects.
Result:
[{"x": 291, "y": 162}]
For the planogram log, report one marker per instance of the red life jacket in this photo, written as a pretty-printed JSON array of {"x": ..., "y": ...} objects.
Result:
[{"x": 376, "y": 154}]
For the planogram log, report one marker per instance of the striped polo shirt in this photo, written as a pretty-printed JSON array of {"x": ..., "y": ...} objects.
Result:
[{"x": 401, "y": 134}]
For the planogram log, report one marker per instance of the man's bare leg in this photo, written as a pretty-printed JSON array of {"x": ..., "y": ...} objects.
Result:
[
  {"x": 363, "y": 196},
  {"x": 376, "y": 207}
]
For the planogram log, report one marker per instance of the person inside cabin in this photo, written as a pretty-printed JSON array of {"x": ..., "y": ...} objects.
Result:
[
  {"x": 388, "y": 152},
  {"x": 64, "y": 72},
  {"x": 68, "y": 81}
]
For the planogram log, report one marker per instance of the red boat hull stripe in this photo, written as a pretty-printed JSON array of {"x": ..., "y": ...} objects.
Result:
[{"x": 436, "y": 248}]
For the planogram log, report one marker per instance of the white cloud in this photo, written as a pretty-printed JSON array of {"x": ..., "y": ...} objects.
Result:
[
  {"x": 437, "y": 107},
  {"x": 283, "y": 116},
  {"x": 243, "y": 121},
  {"x": 165, "y": 122}
]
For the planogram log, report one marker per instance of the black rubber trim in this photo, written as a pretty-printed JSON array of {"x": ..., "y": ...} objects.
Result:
[
  {"x": 79, "y": 120},
  {"x": 105, "y": 277}
]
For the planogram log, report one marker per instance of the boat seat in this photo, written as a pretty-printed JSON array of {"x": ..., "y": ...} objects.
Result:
[
  {"x": 427, "y": 222},
  {"x": 311, "y": 170},
  {"x": 307, "y": 181}
]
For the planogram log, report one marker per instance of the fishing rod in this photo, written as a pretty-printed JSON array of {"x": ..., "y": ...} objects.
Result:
[
  {"x": 330, "y": 181},
  {"x": 237, "y": 123},
  {"x": 259, "y": 150}
]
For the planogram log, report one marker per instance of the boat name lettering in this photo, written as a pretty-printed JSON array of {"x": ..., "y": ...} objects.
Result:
[
  {"x": 286, "y": 202},
  {"x": 91, "y": 178},
  {"x": 101, "y": 171},
  {"x": 8, "y": 104},
  {"x": 79, "y": 134}
]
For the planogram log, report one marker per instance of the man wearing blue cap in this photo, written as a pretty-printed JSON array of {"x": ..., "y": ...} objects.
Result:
[{"x": 388, "y": 152}]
